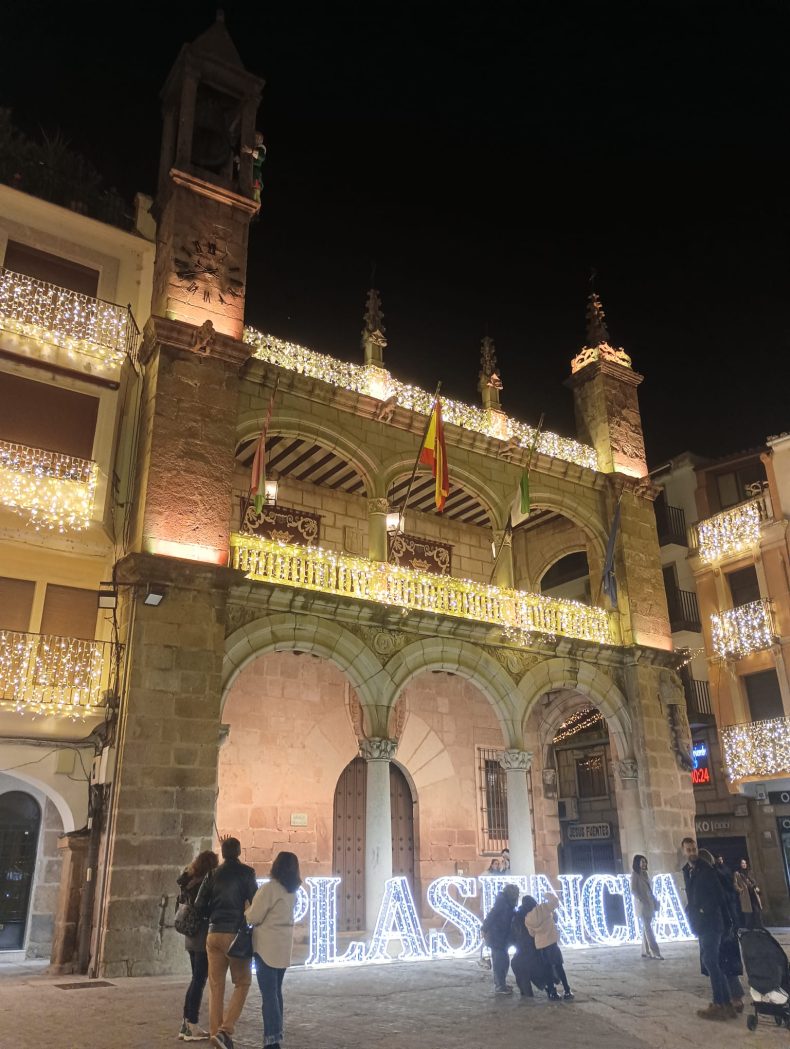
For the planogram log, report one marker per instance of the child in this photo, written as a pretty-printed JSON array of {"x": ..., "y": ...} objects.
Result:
[{"x": 539, "y": 920}]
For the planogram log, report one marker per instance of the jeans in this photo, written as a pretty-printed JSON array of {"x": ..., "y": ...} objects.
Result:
[
  {"x": 500, "y": 963},
  {"x": 221, "y": 1019},
  {"x": 735, "y": 986},
  {"x": 709, "y": 945},
  {"x": 199, "y": 962},
  {"x": 270, "y": 982}
]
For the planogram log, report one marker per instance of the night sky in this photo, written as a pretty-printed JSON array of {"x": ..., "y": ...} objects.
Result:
[{"x": 486, "y": 157}]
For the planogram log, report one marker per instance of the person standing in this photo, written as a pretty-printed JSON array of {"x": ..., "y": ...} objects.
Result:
[
  {"x": 504, "y": 863},
  {"x": 730, "y": 951},
  {"x": 271, "y": 915},
  {"x": 231, "y": 890},
  {"x": 749, "y": 900},
  {"x": 540, "y": 923},
  {"x": 705, "y": 911},
  {"x": 189, "y": 882},
  {"x": 646, "y": 906},
  {"x": 496, "y": 933}
]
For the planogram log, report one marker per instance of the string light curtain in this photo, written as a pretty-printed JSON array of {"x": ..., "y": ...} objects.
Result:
[{"x": 54, "y": 491}]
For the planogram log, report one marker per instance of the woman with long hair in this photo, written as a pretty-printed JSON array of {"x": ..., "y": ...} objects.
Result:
[
  {"x": 646, "y": 906},
  {"x": 189, "y": 882},
  {"x": 271, "y": 915},
  {"x": 751, "y": 905}
]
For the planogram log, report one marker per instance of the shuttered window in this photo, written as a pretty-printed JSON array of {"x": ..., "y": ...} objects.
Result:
[
  {"x": 16, "y": 603},
  {"x": 44, "y": 416},
  {"x": 69, "y": 612}
]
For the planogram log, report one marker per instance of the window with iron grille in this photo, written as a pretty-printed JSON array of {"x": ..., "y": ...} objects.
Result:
[{"x": 492, "y": 802}]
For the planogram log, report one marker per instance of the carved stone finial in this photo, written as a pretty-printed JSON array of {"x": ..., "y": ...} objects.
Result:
[
  {"x": 373, "y": 341},
  {"x": 489, "y": 382},
  {"x": 597, "y": 346},
  {"x": 627, "y": 769},
  {"x": 521, "y": 760},
  {"x": 203, "y": 339},
  {"x": 377, "y": 749},
  {"x": 597, "y": 332}
]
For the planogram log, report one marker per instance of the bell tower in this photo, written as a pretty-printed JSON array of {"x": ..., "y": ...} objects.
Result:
[{"x": 205, "y": 197}]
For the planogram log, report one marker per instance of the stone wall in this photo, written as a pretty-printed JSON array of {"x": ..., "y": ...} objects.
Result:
[{"x": 46, "y": 885}]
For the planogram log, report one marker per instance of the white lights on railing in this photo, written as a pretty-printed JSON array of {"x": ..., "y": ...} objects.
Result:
[
  {"x": 42, "y": 674},
  {"x": 77, "y": 323},
  {"x": 758, "y": 748},
  {"x": 740, "y": 631},
  {"x": 379, "y": 383},
  {"x": 54, "y": 491},
  {"x": 520, "y": 614},
  {"x": 730, "y": 532}
]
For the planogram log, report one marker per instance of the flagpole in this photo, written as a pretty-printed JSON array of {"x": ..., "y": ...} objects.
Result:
[
  {"x": 263, "y": 434},
  {"x": 509, "y": 525},
  {"x": 614, "y": 518},
  {"x": 402, "y": 513}
]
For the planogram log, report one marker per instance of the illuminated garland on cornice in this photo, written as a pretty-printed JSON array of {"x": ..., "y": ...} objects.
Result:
[
  {"x": 47, "y": 675},
  {"x": 740, "y": 631},
  {"x": 520, "y": 615},
  {"x": 74, "y": 322},
  {"x": 730, "y": 532},
  {"x": 759, "y": 748},
  {"x": 377, "y": 382},
  {"x": 54, "y": 491}
]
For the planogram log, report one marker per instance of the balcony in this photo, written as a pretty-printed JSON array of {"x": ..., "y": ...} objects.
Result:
[
  {"x": 732, "y": 531},
  {"x": 683, "y": 610},
  {"x": 53, "y": 491},
  {"x": 520, "y": 615},
  {"x": 45, "y": 675},
  {"x": 698, "y": 702},
  {"x": 757, "y": 749},
  {"x": 76, "y": 323},
  {"x": 740, "y": 631},
  {"x": 671, "y": 524}
]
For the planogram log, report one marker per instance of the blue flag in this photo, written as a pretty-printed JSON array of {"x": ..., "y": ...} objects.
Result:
[{"x": 609, "y": 581}]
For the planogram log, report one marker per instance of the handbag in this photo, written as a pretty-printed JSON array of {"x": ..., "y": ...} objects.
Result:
[
  {"x": 242, "y": 944},
  {"x": 188, "y": 919}
]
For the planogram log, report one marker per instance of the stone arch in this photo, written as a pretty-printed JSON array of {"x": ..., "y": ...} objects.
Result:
[
  {"x": 583, "y": 679},
  {"x": 322, "y": 637},
  {"x": 40, "y": 786},
  {"x": 551, "y": 559},
  {"x": 396, "y": 469},
  {"x": 250, "y": 424},
  {"x": 468, "y": 661},
  {"x": 584, "y": 512}
]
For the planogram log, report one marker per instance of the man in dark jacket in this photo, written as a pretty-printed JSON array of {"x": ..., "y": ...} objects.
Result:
[
  {"x": 496, "y": 933},
  {"x": 224, "y": 898},
  {"x": 706, "y": 910}
]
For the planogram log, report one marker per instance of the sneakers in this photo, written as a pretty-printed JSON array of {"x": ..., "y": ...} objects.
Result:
[
  {"x": 553, "y": 996},
  {"x": 568, "y": 996},
  {"x": 714, "y": 1012},
  {"x": 192, "y": 1032},
  {"x": 497, "y": 990},
  {"x": 222, "y": 1040}
]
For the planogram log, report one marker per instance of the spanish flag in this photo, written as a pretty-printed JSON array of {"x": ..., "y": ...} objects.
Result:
[{"x": 434, "y": 454}]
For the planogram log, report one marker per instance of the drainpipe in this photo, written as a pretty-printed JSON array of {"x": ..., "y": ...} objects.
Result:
[{"x": 88, "y": 894}]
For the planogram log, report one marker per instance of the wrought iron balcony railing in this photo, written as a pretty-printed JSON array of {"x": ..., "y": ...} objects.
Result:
[
  {"x": 52, "y": 490},
  {"x": 671, "y": 524},
  {"x": 757, "y": 749},
  {"x": 740, "y": 631},
  {"x": 683, "y": 610},
  {"x": 519, "y": 614},
  {"x": 75, "y": 322},
  {"x": 732, "y": 531},
  {"x": 44, "y": 674}
]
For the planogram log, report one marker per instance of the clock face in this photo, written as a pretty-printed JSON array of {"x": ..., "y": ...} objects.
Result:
[{"x": 209, "y": 272}]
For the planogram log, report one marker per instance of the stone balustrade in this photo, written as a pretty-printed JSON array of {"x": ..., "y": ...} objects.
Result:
[
  {"x": 44, "y": 674},
  {"x": 520, "y": 614},
  {"x": 757, "y": 749}
]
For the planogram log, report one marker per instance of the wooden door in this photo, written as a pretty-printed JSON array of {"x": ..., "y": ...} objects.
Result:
[{"x": 402, "y": 810}]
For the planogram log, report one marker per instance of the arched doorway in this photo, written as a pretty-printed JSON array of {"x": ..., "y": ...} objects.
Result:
[
  {"x": 349, "y": 837},
  {"x": 20, "y": 820}
]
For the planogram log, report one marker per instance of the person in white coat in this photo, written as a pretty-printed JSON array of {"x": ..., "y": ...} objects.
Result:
[{"x": 271, "y": 915}]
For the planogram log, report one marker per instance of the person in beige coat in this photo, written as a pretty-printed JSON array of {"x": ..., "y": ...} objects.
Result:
[
  {"x": 271, "y": 915},
  {"x": 539, "y": 920},
  {"x": 645, "y": 905}
]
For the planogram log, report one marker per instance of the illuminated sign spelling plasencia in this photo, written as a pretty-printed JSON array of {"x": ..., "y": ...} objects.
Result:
[{"x": 581, "y": 917}]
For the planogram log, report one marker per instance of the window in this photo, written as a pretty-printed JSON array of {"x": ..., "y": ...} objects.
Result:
[
  {"x": 53, "y": 269},
  {"x": 69, "y": 612},
  {"x": 16, "y": 603},
  {"x": 732, "y": 487},
  {"x": 566, "y": 773},
  {"x": 591, "y": 776},
  {"x": 44, "y": 416},
  {"x": 744, "y": 586},
  {"x": 493, "y": 800},
  {"x": 765, "y": 699}
]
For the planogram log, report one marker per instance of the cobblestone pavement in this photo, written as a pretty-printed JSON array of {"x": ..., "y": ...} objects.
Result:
[{"x": 622, "y": 1002}]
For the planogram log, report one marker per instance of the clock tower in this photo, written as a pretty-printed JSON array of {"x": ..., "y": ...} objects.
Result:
[{"x": 205, "y": 195}]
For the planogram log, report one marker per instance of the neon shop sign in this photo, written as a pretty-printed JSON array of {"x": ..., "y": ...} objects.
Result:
[
  {"x": 581, "y": 916},
  {"x": 700, "y": 760}
]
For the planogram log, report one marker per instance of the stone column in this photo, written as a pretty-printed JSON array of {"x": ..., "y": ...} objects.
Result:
[
  {"x": 516, "y": 764},
  {"x": 377, "y": 529},
  {"x": 74, "y": 851},
  {"x": 503, "y": 573},
  {"x": 378, "y": 823}
]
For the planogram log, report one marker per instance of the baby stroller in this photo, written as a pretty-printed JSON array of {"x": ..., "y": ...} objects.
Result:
[{"x": 768, "y": 975}]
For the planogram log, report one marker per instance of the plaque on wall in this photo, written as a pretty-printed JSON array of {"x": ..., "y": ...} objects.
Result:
[
  {"x": 281, "y": 524},
  {"x": 589, "y": 831},
  {"x": 423, "y": 555}
]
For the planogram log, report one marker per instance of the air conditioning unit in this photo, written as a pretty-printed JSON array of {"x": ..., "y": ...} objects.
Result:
[{"x": 569, "y": 808}]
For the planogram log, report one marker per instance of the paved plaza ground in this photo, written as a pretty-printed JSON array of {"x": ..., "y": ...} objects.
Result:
[{"x": 622, "y": 1002}]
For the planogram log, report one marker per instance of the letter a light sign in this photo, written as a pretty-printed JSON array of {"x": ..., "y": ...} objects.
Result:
[{"x": 398, "y": 934}]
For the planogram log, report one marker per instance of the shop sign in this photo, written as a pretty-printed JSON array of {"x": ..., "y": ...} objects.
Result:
[
  {"x": 589, "y": 831},
  {"x": 779, "y": 797},
  {"x": 581, "y": 917},
  {"x": 700, "y": 761},
  {"x": 712, "y": 825}
]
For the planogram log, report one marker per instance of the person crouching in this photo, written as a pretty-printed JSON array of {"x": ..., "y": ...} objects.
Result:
[{"x": 539, "y": 920}]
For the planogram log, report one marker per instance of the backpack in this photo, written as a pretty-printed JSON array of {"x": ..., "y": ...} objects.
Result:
[{"x": 190, "y": 916}]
